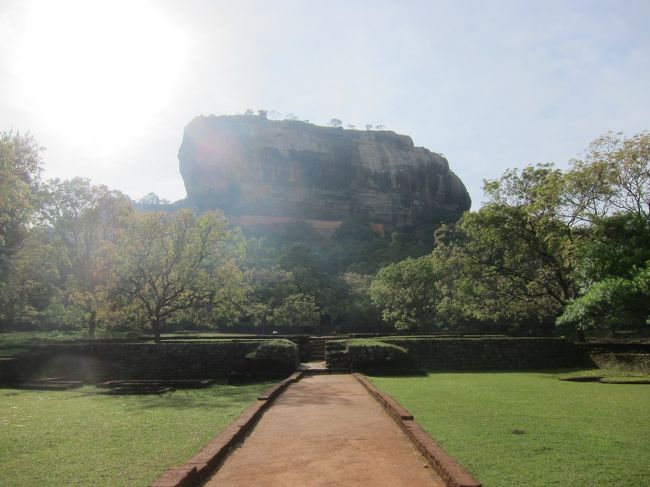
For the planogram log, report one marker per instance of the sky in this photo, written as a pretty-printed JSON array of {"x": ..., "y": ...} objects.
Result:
[{"x": 107, "y": 87}]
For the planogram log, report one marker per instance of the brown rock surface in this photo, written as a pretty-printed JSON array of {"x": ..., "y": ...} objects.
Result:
[
  {"x": 256, "y": 168},
  {"x": 322, "y": 431}
]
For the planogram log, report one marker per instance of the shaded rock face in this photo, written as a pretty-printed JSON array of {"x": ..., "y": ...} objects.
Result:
[{"x": 261, "y": 171}]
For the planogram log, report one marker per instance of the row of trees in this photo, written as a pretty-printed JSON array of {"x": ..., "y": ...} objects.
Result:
[
  {"x": 334, "y": 122},
  {"x": 77, "y": 254},
  {"x": 549, "y": 246},
  {"x": 571, "y": 247}
]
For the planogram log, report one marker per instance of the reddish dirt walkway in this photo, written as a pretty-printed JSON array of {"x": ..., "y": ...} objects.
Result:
[{"x": 326, "y": 430}]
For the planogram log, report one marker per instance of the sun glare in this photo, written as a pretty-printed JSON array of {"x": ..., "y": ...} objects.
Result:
[{"x": 94, "y": 70}]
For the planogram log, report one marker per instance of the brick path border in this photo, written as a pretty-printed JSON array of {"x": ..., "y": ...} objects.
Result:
[
  {"x": 200, "y": 466},
  {"x": 452, "y": 473}
]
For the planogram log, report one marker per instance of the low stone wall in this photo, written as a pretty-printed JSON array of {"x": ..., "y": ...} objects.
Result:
[
  {"x": 624, "y": 356},
  {"x": 97, "y": 361},
  {"x": 484, "y": 353},
  {"x": 628, "y": 362}
]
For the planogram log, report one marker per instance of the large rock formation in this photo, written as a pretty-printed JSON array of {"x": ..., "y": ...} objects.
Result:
[{"x": 261, "y": 171}]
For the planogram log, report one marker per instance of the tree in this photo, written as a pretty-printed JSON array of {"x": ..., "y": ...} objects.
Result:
[
  {"x": 302, "y": 262},
  {"x": 545, "y": 236},
  {"x": 269, "y": 287},
  {"x": 406, "y": 293},
  {"x": 178, "y": 265},
  {"x": 612, "y": 302},
  {"x": 335, "y": 122},
  {"x": 297, "y": 310},
  {"x": 152, "y": 199},
  {"x": 20, "y": 166},
  {"x": 610, "y": 190},
  {"x": 354, "y": 306},
  {"x": 31, "y": 281},
  {"x": 368, "y": 126},
  {"x": 613, "y": 270},
  {"x": 84, "y": 221},
  {"x": 523, "y": 241},
  {"x": 624, "y": 165},
  {"x": 617, "y": 246}
]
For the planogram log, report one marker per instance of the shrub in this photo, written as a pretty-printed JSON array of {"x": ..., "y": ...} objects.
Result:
[
  {"x": 367, "y": 354},
  {"x": 271, "y": 359}
]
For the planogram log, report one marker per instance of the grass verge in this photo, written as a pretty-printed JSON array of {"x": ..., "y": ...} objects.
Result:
[
  {"x": 529, "y": 428},
  {"x": 12, "y": 343},
  {"x": 83, "y": 438}
]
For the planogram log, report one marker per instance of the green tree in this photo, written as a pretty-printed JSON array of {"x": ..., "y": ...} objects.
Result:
[
  {"x": 612, "y": 184},
  {"x": 355, "y": 306},
  {"x": 269, "y": 287},
  {"x": 303, "y": 263},
  {"x": 617, "y": 247},
  {"x": 173, "y": 265},
  {"x": 544, "y": 235},
  {"x": 514, "y": 258},
  {"x": 152, "y": 199},
  {"x": 84, "y": 221},
  {"x": 406, "y": 293},
  {"x": 299, "y": 310},
  {"x": 612, "y": 302},
  {"x": 20, "y": 166},
  {"x": 623, "y": 165},
  {"x": 32, "y": 280}
]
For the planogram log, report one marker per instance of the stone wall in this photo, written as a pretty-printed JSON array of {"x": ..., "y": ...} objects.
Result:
[
  {"x": 97, "y": 361},
  {"x": 486, "y": 353},
  {"x": 624, "y": 356}
]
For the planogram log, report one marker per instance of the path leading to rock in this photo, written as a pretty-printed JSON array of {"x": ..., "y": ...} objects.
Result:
[{"x": 326, "y": 430}]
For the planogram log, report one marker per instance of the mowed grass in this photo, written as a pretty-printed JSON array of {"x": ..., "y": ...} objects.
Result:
[
  {"x": 82, "y": 438},
  {"x": 529, "y": 428}
]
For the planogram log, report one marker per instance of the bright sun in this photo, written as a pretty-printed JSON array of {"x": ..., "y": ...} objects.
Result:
[{"x": 91, "y": 69}]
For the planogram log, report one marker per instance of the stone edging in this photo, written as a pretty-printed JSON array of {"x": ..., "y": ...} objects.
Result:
[
  {"x": 452, "y": 473},
  {"x": 200, "y": 466}
]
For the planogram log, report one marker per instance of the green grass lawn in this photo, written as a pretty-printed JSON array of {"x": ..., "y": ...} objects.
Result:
[
  {"x": 574, "y": 434},
  {"x": 82, "y": 438}
]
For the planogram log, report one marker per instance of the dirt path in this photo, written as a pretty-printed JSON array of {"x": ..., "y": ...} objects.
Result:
[{"x": 325, "y": 430}]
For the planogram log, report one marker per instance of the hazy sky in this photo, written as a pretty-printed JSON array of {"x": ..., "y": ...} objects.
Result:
[{"x": 107, "y": 87}]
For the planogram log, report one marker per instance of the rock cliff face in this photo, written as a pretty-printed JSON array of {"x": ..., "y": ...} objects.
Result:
[{"x": 264, "y": 172}]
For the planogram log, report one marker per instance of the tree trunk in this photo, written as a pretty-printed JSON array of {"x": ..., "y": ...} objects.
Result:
[
  {"x": 155, "y": 325},
  {"x": 92, "y": 324}
]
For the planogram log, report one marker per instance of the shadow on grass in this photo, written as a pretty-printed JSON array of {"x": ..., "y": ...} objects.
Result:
[
  {"x": 428, "y": 373},
  {"x": 218, "y": 396},
  {"x": 213, "y": 397}
]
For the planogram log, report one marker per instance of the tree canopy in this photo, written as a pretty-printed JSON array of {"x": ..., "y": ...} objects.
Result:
[
  {"x": 175, "y": 265},
  {"x": 547, "y": 243},
  {"x": 549, "y": 246}
]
